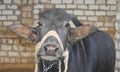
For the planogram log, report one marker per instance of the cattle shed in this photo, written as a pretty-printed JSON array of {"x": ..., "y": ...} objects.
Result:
[{"x": 18, "y": 53}]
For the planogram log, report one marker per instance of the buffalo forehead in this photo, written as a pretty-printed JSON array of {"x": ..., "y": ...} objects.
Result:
[{"x": 54, "y": 15}]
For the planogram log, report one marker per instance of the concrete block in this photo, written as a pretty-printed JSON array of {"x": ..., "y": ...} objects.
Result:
[
  {"x": 12, "y": 60},
  {"x": 36, "y": 17},
  {"x": 13, "y": 54},
  {"x": 30, "y": 49},
  {"x": 33, "y": 54},
  {"x": 23, "y": 60},
  {"x": 117, "y": 44},
  {"x": 108, "y": 24},
  {"x": 117, "y": 26},
  {"x": 71, "y": 6},
  {"x": 36, "y": 11},
  {"x": 27, "y": 8},
  {"x": 12, "y": 17},
  {"x": 38, "y": 6},
  {"x": 100, "y": 1},
  {"x": 30, "y": 2},
  {"x": 15, "y": 47},
  {"x": 37, "y": 1},
  {"x": 4, "y": 41},
  {"x": 118, "y": 64},
  {"x": 12, "y": 6},
  {"x": 7, "y": 12},
  {"x": 7, "y": 23},
  {"x": 67, "y": 1},
  {"x": 99, "y": 13},
  {"x": 2, "y": 7},
  {"x": 118, "y": 16},
  {"x": 3, "y": 53},
  {"x": 16, "y": 41},
  {"x": 10, "y": 41},
  {"x": 7, "y": 1},
  {"x": 6, "y": 47},
  {"x": 111, "y": 1},
  {"x": 69, "y": 11},
  {"x": 21, "y": 48},
  {"x": 78, "y": 1},
  {"x": 93, "y": 18},
  {"x": 29, "y": 14},
  {"x": 101, "y": 18},
  {"x": 17, "y": 12},
  {"x": 1, "y": 24},
  {"x": 56, "y": 1},
  {"x": 114, "y": 7},
  {"x": 6, "y": 60},
  {"x": 45, "y": 1},
  {"x": 110, "y": 19},
  {"x": 27, "y": 21},
  {"x": 17, "y": 60},
  {"x": 88, "y": 22},
  {"x": 24, "y": 14},
  {"x": 1, "y": 59},
  {"x": 94, "y": 7},
  {"x": 104, "y": 29},
  {"x": 2, "y": 32},
  {"x": 89, "y": 13},
  {"x": 118, "y": 36},
  {"x": 82, "y": 6},
  {"x": 89, "y": 1},
  {"x": 3, "y": 18},
  {"x": 104, "y": 7},
  {"x": 78, "y": 12},
  {"x": 116, "y": 70},
  {"x": 49, "y": 6},
  {"x": 35, "y": 24},
  {"x": 82, "y": 18},
  {"x": 111, "y": 13},
  {"x": 25, "y": 54},
  {"x": 24, "y": 1},
  {"x": 17, "y": 22},
  {"x": 17, "y": 1},
  {"x": 60, "y": 6},
  {"x": 99, "y": 24}
]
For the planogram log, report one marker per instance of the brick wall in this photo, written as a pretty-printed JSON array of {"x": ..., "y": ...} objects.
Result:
[
  {"x": 118, "y": 38},
  {"x": 101, "y": 13},
  {"x": 13, "y": 49}
]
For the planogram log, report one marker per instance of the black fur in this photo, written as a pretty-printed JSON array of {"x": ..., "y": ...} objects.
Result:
[{"x": 95, "y": 53}]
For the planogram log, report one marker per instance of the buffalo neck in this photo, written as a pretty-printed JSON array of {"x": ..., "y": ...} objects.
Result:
[{"x": 51, "y": 66}]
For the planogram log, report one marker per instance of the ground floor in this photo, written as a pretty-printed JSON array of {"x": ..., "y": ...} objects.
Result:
[{"x": 17, "y": 67}]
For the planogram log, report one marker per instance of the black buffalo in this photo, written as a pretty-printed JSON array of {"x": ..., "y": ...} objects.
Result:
[{"x": 66, "y": 45}]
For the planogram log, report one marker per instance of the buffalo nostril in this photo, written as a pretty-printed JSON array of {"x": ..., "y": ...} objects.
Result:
[
  {"x": 56, "y": 48},
  {"x": 45, "y": 48},
  {"x": 50, "y": 47}
]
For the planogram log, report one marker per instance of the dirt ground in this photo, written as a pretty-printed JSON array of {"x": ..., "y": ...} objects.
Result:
[{"x": 16, "y": 67}]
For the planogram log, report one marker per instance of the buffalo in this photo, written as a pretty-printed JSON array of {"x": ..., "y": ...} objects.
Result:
[{"x": 64, "y": 44}]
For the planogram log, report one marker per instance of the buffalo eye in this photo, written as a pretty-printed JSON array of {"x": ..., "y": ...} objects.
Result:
[
  {"x": 40, "y": 23},
  {"x": 34, "y": 30},
  {"x": 67, "y": 24}
]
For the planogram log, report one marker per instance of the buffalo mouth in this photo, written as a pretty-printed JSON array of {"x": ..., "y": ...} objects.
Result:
[
  {"x": 50, "y": 54},
  {"x": 50, "y": 47},
  {"x": 50, "y": 58}
]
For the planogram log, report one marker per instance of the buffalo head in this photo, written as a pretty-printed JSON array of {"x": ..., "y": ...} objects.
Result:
[{"x": 54, "y": 33}]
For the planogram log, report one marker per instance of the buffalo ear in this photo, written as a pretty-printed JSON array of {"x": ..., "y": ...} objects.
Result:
[
  {"x": 81, "y": 32},
  {"x": 23, "y": 31}
]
